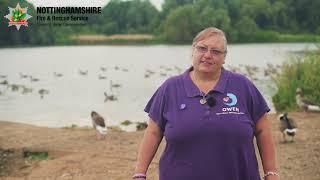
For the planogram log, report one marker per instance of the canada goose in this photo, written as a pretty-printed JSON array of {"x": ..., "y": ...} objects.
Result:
[
  {"x": 14, "y": 87},
  {"x": 103, "y": 68},
  {"x": 84, "y": 73},
  {"x": 102, "y": 76},
  {"x": 32, "y": 79},
  {"x": 109, "y": 97},
  {"x": 4, "y": 82},
  {"x": 26, "y": 90},
  {"x": 99, "y": 125},
  {"x": 42, "y": 92},
  {"x": 114, "y": 85},
  {"x": 125, "y": 69},
  {"x": 288, "y": 127},
  {"x": 23, "y": 76},
  {"x": 57, "y": 74},
  {"x": 305, "y": 104}
]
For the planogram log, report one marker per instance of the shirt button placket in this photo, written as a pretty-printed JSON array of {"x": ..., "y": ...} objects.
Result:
[{"x": 207, "y": 113}]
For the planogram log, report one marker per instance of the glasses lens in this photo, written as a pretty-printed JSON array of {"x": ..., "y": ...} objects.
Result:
[
  {"x": 202, "y": 49},
  {"x": 215, "y": 52}
]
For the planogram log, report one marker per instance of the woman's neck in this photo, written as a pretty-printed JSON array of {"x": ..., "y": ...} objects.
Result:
[
  {"x": 206, "y": 77},
  {"x": 205, "y": 81}
]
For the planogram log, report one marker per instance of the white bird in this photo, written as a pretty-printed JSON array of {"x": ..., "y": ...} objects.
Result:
[
  {"x": 288, "y": 127},
  {"x": 98, "y": 124},
  {"x": 305, "y": 104}
]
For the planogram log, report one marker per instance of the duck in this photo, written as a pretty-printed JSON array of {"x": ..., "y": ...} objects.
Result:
[
  {"x": 304, "y": 104},
  {"x": 288, "y": 126},
  {"x": 99, "y": 125}
]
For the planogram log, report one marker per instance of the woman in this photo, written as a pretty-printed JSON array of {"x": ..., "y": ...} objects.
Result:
[{"x": 209, "y": 117}]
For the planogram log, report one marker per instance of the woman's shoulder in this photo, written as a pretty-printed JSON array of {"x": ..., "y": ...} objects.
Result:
[
  {"x": 172, "y": 81},
  {"x": 234, "y": 76}
]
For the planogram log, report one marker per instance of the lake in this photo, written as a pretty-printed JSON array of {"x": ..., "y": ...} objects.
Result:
[{"x": 73, "y": 80}]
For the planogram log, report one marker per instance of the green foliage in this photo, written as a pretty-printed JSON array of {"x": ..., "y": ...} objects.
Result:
[
  {"x": 246, "y": 29},
  {"x": 38, "y": 155},
  {"x": 178, "y": 21},
  {"x": 181, "y": 25},
  {"x": 303, "y": 72},
  {"x": 135, "y": 16}
]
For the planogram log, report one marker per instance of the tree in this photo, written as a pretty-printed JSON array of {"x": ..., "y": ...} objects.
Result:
[
  {"x": 181, "y": 25},
  {"x": 246, "y": 29}
]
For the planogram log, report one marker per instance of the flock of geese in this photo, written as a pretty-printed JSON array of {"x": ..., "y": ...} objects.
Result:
[
  {"x": 27, "y": 79},
  {"x": 109, "y": 95},
  {"x": 24, "y": 89},
  {"x": 252, "y": 72}
]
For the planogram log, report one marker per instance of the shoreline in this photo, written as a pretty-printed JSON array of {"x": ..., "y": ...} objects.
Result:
[{"x": 74, "y": 153}]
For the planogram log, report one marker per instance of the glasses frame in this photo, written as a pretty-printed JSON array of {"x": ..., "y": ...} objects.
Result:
[{"x": 213, "y": 52}]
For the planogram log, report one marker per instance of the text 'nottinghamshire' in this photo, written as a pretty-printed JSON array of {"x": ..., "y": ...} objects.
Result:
[{"x": 69, "y": 10}]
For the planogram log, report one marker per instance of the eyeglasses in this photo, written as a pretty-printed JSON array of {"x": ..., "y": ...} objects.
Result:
[{"x": 213, "y": 52}]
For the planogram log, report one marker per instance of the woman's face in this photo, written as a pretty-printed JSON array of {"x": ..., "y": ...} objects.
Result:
[{"x": 208, "y": 55}]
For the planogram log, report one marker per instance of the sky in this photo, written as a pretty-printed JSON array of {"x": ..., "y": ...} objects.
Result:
[{"x": 55, "y": 3}]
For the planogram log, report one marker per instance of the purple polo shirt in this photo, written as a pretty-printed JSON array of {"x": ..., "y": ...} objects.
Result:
[{"x": 208, "y": 143}]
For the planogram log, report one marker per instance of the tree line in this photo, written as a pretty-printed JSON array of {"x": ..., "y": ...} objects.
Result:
[{"x": 179, "y": 21}]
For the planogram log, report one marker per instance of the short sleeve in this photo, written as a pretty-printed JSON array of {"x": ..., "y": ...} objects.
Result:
[
  {"x": 156, "y": 107},
  {"x": 257, "y": 105}
]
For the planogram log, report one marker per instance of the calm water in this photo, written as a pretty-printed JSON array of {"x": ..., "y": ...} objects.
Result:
[{"x": 72, "y": 96}]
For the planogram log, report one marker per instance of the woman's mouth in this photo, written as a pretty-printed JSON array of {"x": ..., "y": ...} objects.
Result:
[{"x": 207, "y": 62}]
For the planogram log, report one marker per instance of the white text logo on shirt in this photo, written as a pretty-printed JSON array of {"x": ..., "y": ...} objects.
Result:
[{"x": 230, "y": 100}]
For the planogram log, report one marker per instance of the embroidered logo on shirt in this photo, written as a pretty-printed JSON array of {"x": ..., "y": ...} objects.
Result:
[{"x": 230, "y": 99}]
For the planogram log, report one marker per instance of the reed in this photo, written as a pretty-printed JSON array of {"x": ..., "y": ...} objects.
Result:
[{"x": 300, "y": 70}]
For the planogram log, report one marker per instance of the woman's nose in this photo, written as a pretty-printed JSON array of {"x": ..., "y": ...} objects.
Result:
[{"x": 207, "y": 54}]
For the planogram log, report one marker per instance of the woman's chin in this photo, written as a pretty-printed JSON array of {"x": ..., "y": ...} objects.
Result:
[{"x": 206, "y": 69}]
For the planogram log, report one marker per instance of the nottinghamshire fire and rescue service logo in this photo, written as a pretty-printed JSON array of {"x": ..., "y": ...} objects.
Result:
[{"x": 18, "y": 16}]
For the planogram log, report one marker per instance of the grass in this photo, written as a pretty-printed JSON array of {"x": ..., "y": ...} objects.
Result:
[
  {"x": 298, "y": 71},
  {"x": 37, "y": 155}
]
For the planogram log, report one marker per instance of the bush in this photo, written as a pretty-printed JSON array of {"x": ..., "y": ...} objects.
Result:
[{"x": 300, "y": 71}]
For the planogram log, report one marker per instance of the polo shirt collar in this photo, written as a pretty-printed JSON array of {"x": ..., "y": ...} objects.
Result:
[{"x": 192, "y": 90}]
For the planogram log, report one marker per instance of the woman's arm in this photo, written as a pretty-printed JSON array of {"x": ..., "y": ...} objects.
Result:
[
  {"x": 266, "y": 147},
  {"x": 148, "y": 147}
]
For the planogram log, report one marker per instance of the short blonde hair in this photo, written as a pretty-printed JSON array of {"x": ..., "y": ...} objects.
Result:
[{"x": 208, "y": 32}]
